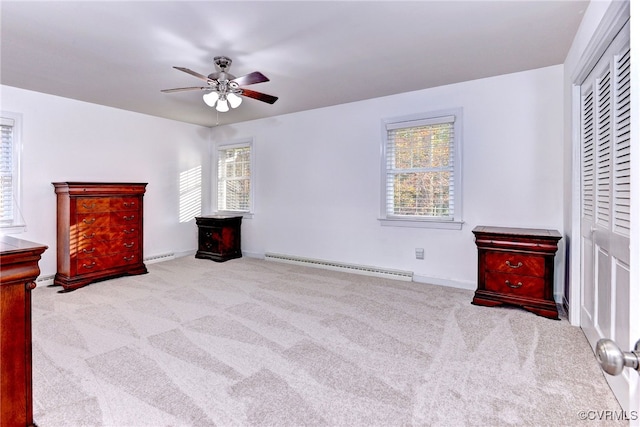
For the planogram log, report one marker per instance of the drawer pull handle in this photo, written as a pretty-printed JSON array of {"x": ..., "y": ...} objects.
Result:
[
  {"x": 91, "y": 206},
  {"x": 128, "y": 258},
  {"x": 133, "y": 230},
  {"x": 518, "y": 265},
  {"x": 129, "y": 245},
  {"x": 88, "y": 236},
  {"x": 511, "y": 285},
  {"x": 89, "y": 221},
  {"x": 128, "y": 218},
  {"x": 129, "y": 205},
  {"x": 92, "y": 250},
  {"x": 93, "y": 264}
]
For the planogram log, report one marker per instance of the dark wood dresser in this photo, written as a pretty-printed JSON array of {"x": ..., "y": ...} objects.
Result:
[
  {"x": 219, "y": 237},
  {"x": 18, "y": 272},
  {"x": 515, "y": 267},
  {"x": 99, "y": 232}
]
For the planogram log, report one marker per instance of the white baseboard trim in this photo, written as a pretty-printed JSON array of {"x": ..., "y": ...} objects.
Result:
[{"x": 458, "y": 284}]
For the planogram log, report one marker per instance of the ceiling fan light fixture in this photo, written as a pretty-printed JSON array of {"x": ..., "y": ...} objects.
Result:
[
  {"x": 222, "y": 105},
  {"x": 210, "y": 98},
  {"x": 234, "y": 100}
]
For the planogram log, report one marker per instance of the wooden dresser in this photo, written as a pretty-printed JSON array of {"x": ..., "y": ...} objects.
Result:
[
  {"x": 219, "y": 237},
  {"x": 99, "y": 232},
  {"x": 18, "y": 272},
  {"x": 515, "y": 267}
]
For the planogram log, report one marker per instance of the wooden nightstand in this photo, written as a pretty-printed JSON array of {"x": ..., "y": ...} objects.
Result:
[
  {"x": 219, "y": 237},
  {"x": 515, "y": 267}
]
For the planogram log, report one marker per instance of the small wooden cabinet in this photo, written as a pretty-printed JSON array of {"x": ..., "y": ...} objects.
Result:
[
  {"x": 18, "y": 272},
  {"x": 516, "y": 267},
  {"x": 219, "y": 237},
  {"x": 99, "y": 234}
]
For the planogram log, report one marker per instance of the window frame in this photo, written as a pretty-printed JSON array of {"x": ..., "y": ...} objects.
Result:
[
  {"x": 455, "y": 222},
  {"x": 216, "y": 202},
  {"x": 17, "y": 224}
]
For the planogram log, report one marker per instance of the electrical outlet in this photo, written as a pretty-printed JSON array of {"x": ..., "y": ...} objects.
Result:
[{"x": 419, "y": 253}]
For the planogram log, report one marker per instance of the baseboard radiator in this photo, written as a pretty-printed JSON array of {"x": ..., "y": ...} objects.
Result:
[
  {"x": 338, "y": 266},
  {"x": 159, "y": 258}
]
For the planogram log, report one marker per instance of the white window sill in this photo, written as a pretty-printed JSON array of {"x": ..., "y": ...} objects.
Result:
[
  {"x": 415, "y": 223},
  {"x": 245, "y": 215},
  {"x": 14, "y": 229}
]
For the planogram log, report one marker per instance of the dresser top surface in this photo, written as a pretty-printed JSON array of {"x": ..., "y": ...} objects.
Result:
[
  {"x": 517, "y": 232},
  {"x": 10, "y": 244}
]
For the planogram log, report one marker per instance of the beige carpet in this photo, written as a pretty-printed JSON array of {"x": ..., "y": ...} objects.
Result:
[{"x": 251, "y": 342}]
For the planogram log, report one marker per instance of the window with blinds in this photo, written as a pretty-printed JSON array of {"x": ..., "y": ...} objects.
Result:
[
  {"x": 234, "y": 178},
  {"x": 421, "y": 169},
  {"x": 9, "y": 215}
]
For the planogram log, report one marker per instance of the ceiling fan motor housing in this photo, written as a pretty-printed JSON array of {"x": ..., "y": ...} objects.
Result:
[{"x": 222, "y": 64}]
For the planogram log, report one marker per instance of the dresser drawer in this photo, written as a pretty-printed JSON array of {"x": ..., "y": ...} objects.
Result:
[
  {"x": 93, "y": 247},
  {"x": 516, "y": 263},
  {"x": 105, "y": 262},
  {"x": 91, "y": 234},
  {"x": 515, "y": 284},
  {"x": 92, "y": 220},
  {"x": 92, "y": 204},
  {"x": 124, "y": 219},
  {"x": 124, "y": 204}
]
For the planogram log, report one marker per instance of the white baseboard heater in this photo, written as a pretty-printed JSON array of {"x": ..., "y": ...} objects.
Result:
[
  {"x": 159, "y": 258},
  {"x": 338, "y": 266}
]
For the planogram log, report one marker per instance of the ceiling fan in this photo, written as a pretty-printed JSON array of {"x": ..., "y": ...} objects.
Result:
[{"x": 223, "y": 88}]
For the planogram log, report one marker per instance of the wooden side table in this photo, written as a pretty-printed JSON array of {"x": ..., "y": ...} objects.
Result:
[
  {"x": 219, "y": 237},
  {"x": 18, "y": 272},
  {"x": 515, "y": 267}
]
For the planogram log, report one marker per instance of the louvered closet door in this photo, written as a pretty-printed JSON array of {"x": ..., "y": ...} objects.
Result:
[{"x": 605, "y": 179}]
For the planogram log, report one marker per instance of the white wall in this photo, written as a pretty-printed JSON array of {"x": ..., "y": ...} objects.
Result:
[
  {"x": 317, "y": 176},
  {"x": 67, "y": 140},
  {"x": 317, "y": 182}
]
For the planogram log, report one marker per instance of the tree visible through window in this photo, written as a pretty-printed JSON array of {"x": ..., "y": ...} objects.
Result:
[
  {"x": 421, "y": 169},
  {"x": 234, "y": 178}
]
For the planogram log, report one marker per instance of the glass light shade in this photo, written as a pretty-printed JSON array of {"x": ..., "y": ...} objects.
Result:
[
  {"x": 222, "y": 106},
  {"x": 210, "y": 98},
  {"x": 234, "y": 100}
]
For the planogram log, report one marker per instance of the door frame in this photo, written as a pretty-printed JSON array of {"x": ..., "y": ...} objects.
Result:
[
  {"x": 612, "y": 22},
  {"x": 616, "y": 16}
]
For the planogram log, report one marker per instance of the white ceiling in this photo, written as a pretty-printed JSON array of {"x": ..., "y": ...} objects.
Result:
[{"x": 316, "y": 53}]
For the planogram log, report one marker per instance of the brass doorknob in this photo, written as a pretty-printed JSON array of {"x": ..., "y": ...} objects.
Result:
[{"x": 613, "y": 360}]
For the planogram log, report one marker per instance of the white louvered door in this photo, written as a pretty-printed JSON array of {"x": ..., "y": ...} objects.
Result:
[{"x": 605, "y": 221}]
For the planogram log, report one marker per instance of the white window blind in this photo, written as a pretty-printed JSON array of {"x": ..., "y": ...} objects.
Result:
[
  {"x": 8, "y": 170},
  {"x": 421, "y": 169},
  {"x": 234, "y": 178}
]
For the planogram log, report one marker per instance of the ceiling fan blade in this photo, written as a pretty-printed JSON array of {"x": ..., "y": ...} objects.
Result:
[
  {"x": 251, "y": 78},
  {"x": 259, "y": 96},
  {"x": 181, "y": 89},
  {"x": 193, "y": 73}
]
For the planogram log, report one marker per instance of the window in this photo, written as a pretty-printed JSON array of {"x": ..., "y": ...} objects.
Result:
[
  {"x": 10, "y": 217},
  {"x": 421, "y": 163},
  {"x": 234, "y": 177}
]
